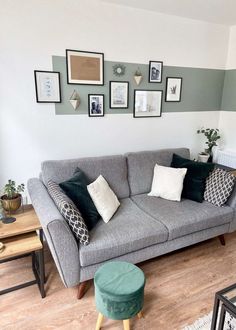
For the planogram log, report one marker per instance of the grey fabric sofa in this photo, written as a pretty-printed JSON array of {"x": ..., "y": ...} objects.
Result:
[{"x": 142, "y": 228}]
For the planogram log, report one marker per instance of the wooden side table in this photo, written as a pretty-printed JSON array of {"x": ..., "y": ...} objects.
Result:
[{"x": 20, "y": 240}]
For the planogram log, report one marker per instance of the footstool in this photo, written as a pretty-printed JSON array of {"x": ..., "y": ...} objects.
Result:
[{"x": 119, "y": 292}]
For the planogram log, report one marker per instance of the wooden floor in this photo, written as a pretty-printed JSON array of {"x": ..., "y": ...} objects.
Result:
[{"x": 180, "y": 288}]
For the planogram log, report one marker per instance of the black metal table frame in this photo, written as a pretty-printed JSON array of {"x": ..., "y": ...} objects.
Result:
[
  {"x": 225, "y": 307},
  {"x": 37, "y": 267}
]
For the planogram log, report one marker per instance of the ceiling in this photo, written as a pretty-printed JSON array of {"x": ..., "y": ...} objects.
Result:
[{"x": 212, "y": 11}]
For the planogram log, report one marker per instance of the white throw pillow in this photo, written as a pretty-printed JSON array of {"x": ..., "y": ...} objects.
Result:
[
  {"x": 104, "y": 198},
  {"x": 168, "y": 182}
]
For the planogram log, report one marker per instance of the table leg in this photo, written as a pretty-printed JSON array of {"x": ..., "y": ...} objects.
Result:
[
  {"x": 222, "y": 317},
  {"x": 215, "y": 313},
  {"x": 41, "y": 235},
  {"x": 41, "y": 273}
]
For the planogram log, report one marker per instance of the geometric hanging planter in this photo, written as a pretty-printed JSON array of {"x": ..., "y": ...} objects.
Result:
[{"x": 75, "y": 100}]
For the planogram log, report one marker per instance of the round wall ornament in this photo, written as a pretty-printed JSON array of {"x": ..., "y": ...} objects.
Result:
[{"x": 119, "y": 69}]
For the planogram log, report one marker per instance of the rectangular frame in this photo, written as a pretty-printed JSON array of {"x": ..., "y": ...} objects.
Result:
[
  {"x": 145, "y": 93},
  {"x": 117, "y": 96},
  {"x": 172, "y": 89},
  {"x": 47, "y": 86},
  {"x": 96, "y": 114},
  {"x": 155, "y": 71},
  {"x": 84, "y": 68}
]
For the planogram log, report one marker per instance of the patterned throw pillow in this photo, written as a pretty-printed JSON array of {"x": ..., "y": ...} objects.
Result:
[
  {"x": 69, "y": 211},
  {"x": 219, "y": 186}
]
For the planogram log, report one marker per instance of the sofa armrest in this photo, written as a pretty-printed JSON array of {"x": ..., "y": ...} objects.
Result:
[{"x": 62, "y": 243}]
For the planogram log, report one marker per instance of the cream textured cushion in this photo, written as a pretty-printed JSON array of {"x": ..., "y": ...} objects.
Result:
[
  {"x": 168, "y": 182},
  {"x": 103, "y": 197}
]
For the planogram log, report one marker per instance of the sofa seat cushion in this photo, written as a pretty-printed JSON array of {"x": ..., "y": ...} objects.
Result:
[
  {"x": 130, "y": 229},
  {"x": 185, "y": 217}
]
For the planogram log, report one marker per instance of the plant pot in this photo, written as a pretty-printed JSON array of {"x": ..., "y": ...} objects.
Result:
[
  {"x": 203, "y": 158},
  {"x": 11, "y": 205},
  {"x": 138, "y": 79}
]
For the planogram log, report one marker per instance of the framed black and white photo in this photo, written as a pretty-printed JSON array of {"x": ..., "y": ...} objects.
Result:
[
  {"x": 173, "y": 89},
  {"x": 86, "y": 68},
  {"x": 147, "y": 103},
  {"x": 47, "y": 86},
  {"x": 96, "y": 105},
  {"x": 155, "y": 71},
  {"x": 119, "y": 94}
]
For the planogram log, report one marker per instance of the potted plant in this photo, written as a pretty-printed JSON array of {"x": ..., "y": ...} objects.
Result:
[
  {"x": 11, "y": 200},
  {"x": 138, "y": 76},
  {"x": 212, "y": 135}
]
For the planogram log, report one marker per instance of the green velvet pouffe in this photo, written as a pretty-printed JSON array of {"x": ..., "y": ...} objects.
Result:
[{"x": 119, "y": 291}]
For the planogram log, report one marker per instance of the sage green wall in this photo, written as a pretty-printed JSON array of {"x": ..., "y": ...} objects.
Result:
[
  {"x": 229, "y": 91},
  {"x": 201, "y": 88}
]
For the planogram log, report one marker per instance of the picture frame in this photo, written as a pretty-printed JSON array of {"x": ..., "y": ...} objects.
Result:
[
  {"x": 47, "y": 86},
  {"x": 119, "y": 94},
  {"x": 147, "y": 103},
  {"x": 96, "y": 105},
  {"x": 155, "y": 71},
  {"x": 173, "y": 89},
  {"x": 84, "y": 68}
]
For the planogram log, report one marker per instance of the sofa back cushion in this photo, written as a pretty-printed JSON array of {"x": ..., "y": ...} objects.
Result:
[
  {"x": 112, "y": 168},
  {"x": 141, "y": 165}
]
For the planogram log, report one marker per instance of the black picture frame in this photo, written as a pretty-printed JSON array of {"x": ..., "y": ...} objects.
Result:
[
  {"x": 111, "y": 100},
  {"x": 71, "y": 81},
  {"x": 89, "y": 105},
  {"x": 178, "y": 99},
  {"x": 39, "y": 91},
  {"x": 158, "y": 65},
  {"x": 136, "y": 91}
]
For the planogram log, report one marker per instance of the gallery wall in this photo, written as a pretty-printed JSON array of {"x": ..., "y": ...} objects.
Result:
[{"x": 34, "y": 31}]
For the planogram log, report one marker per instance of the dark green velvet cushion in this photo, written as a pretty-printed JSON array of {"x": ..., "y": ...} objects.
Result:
[
  {"x": 195, "y": 179},
  {"x": 76, "y": 189}
]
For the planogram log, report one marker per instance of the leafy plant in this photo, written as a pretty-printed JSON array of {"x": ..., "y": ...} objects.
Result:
[
  {"x": 138, "y": 73},
  {"x": 212, "y": 135},
  {"x": 11, "y": 190}
]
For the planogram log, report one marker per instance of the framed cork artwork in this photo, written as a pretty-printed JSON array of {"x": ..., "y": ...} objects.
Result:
[{"x": 86, "y": 68}]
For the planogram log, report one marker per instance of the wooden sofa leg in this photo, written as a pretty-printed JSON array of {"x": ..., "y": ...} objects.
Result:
[
  {"x": 222, "y": 239},
  {"x": 81, "y": 289}
]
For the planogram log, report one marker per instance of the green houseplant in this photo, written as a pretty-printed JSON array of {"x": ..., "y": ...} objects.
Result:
[
  {"x": 212, "y": 135},
  {"x": 11, "y": 199}
]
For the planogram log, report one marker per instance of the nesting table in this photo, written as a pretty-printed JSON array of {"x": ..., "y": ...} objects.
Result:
[{"x": 21, "y": 240}]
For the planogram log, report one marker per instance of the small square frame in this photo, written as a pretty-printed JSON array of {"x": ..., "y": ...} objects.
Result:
[
  {"x": 177, "y": 89},
  {"x": 96, "y": 105},
  {"x": 155, "y": 71}
]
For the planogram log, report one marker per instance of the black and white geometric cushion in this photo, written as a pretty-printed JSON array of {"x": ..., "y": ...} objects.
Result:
[
  {"x": 219, "y": 186},
  {"x": 69, "y": 211}
]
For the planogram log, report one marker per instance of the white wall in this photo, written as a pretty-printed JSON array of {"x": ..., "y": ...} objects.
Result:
[
  {"x": 33, "y": 31},
  {"x": 227, "y": 119}
]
